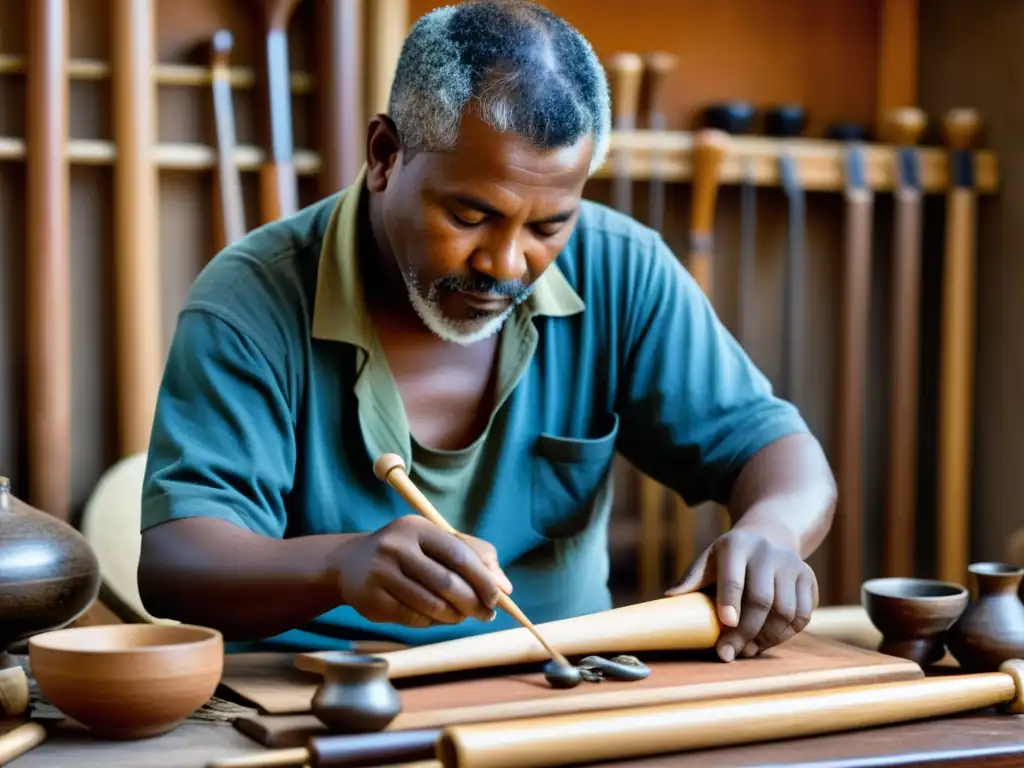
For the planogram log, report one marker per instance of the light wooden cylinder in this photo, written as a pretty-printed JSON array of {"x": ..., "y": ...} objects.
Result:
[
  {"x": 48, "y": 262},
  {"x": 20, "y": 740},
  {"x": 388, "y": 23},
  {"x": 640, "y": 731},
  {"x": 684, "y": 622},
  {"x": 140, "y": 347}
]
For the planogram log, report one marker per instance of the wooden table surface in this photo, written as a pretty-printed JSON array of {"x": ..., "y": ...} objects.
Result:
[{"x": 982, "y": 739}]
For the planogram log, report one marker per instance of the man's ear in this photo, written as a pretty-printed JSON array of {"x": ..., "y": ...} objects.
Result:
[{"x": 383, "y": 152}]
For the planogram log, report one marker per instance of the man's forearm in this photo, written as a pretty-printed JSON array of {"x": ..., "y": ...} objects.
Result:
[
  {"x": 211, "y": 572},
  {"x": 787, "y": 492}
]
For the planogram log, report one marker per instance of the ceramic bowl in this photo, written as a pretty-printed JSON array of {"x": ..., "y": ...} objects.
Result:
[
  {"x": 128, "y": 681},
  {"x": 912, "y": 615}
]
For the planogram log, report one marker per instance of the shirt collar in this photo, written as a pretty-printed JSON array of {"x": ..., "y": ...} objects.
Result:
[{"x": 339, "y": 310}]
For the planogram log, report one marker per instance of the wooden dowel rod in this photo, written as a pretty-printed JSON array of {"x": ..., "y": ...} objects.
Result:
[
  {"x": 140, "y": 345},
  {"x": 956, "y": 379},
  {"x": 615, "y": 734},
  {"x": 176, "y": 75},
  {"x": 48, "y": 261},
  {"x": 905, "y": 126},
  {"x": 387, "y": 27},
  {"x": 340, "y": 100},
  {"x": 18, "y": 741}
]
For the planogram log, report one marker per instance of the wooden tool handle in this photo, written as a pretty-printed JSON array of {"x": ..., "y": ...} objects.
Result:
[
  {"x": 683, "y": 622},
  {"x": 231, "y": 221},
  {"x": 615, "y": 734},
  {"x": 391, "y": 469},
  {"x": 904, "y": 125},
  {"x": 278, "y": 183},
  {"x": 17, "y": 742},
  {"x": 960, "y": 128},
  {"x": 659, "y": 66},
  {"x": 710, "y": 147},
  {"x": 626, "y": 76}
]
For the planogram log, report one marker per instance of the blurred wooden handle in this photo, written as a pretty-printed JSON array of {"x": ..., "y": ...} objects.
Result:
[
  {"x": 16, "y": 742},
  {"x": 231, "y": 221},
  {"x": 710, "y": 147}
]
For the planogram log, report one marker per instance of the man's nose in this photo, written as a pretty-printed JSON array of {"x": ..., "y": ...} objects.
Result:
[{"x": 501, "y": 258}]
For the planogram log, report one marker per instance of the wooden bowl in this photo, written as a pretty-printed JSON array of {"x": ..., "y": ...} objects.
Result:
[
  {"x": 128, "y": 681},
  {"x": 913, "y": 614}
]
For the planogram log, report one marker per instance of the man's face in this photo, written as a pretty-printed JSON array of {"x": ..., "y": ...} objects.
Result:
[{"x": 473, "y": 229}]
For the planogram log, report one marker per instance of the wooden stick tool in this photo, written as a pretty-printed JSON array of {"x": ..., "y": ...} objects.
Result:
[
  {"x": 231, "y": 209},
  {"x": 390, "y": 468},
  {"x": 853, "y": 361},
  {"x": 956, "y": 380},
  {"x": 904, "y": 127}
]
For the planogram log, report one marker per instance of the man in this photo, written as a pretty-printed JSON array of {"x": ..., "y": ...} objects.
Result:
[{"x": 462, "y": 306}]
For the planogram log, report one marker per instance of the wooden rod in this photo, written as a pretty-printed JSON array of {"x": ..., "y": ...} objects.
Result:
[
  {"x": 956, "y": 379},
  {"x": 852, "y": 382},
  {"x": 140, "y": 347},
  {"x": 279, "y": 196},
  {"x": 710, "y": 148},
  {"x": 388, "y": 24},
  {"x": 626, "y": 733},
  {"x": 391, "y": 469},
  {"x": 48, "y": 262},
  {"x": 17, "y": 741},
  {"x": 230, "y": 205},
  {"x": 905, "y": 126},
  {"x": 340, "y": 92}
]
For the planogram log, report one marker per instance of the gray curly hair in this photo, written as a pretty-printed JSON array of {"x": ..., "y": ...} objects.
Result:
[{"x": 521, "y": 68}]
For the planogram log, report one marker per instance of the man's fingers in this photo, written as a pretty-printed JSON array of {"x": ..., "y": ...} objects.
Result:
[
  {"x": 456, "y": 555},
  {"x": 390, "y": 609},
  {"x": 757, "y": 599},
  {"x": 696, "y": 576},
  {"x": 781, "y": 616},
  {"x": 731, "y": 576},
  {"x": 486, "y": 552},
  {"x": 428, "y": 586}
]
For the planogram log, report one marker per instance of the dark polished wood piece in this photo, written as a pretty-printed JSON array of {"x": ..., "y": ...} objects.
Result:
[
  {"x": 913, "y": 614},
  {"x": 991, "y": 628}
]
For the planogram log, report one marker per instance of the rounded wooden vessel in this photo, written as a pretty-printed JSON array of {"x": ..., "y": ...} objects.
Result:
[
  {"x": 128, "y": 681},
  {"x": 912, "y": 615},
  {"x": 991, "y": 630},
  {"x": 49, "y": 574}
]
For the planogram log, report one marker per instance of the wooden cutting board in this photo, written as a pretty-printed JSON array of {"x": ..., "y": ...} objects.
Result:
[{"x": 804, "y": 663}]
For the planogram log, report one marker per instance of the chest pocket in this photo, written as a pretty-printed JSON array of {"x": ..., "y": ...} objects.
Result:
[{"x": 568, "y": 479}]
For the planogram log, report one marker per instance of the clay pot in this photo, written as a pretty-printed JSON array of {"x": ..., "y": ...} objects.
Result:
[
  {"x": 49, "y": 574},
  {"x": 356, "y": 695},
  {"x": 128, "y": 681},
  {"x": 991, "y": 629}
]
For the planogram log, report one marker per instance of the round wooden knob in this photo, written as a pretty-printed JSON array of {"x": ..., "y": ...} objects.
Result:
[
  {"x": 660, "y": 62},
  {"x": 904, "y": 125},
  {"x": 386, "y": 464},
  {"x": 960, "y": 127},
  {"x": 1015, "y": 669}
]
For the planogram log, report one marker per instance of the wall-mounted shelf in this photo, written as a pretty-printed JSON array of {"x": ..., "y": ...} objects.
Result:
[
  {"x": 182, "y": 75},
  {"x": 820, "y": 162}
]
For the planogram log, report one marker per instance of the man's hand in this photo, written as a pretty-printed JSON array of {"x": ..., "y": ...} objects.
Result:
[
  {"x": 411, "y": 572},
  {"x": 765, "y": 591}
]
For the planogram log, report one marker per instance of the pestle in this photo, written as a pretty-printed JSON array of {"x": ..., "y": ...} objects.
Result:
[{"x": 390, "y": 468}]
